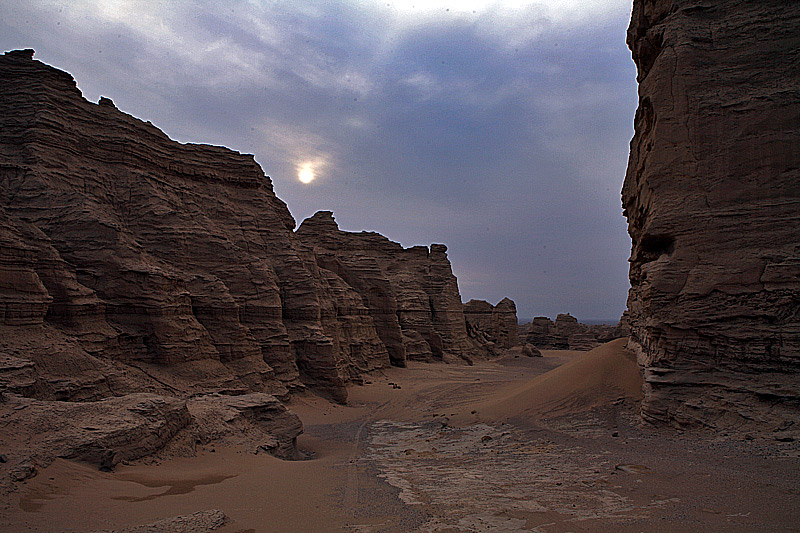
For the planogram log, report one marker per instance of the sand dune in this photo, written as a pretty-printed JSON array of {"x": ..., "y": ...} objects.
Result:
[{"x": 601, "y": 376}]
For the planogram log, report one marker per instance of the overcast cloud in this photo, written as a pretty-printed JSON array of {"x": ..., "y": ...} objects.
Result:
[{"x": 499, "y": 129}]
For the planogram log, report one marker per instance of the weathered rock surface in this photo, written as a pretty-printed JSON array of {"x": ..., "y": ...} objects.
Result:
[
  {"x": 410, "y": 293},
  {"x": 712, "y": 198},
  {"x": 199, "y": 522},
  {"x": 492, "y": 326},
  {"x": 130, "y": 242},
  {"x": 258, "y": 418},
  {"x": 101, "y": 433},
  {"x": 529, "y": 350},
  {"x": 130, "y": 427}
]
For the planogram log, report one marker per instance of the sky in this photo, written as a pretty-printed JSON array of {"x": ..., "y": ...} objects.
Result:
[{"x": 497, "y": 127}]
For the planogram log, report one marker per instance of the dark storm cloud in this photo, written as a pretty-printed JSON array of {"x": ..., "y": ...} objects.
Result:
[{"x": 503, "y": 137}]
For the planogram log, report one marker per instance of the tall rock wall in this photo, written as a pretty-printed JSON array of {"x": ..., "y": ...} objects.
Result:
[
  {"x": 712, "y": 198},
  {"x": 411, "y": 293},
  {"x": 130, "y": 262}
]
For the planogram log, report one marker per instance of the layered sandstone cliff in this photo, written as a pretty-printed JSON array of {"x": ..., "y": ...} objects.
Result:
[
  {"x": 411, "y": 293},
  {"x": 566, "y": 333},
  {"x": 712, "y": 198},
  {"x": 131, "y": 264}
]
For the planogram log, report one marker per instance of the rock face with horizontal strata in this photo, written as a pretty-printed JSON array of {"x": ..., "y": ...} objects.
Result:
[
  {"x": 411, "y": 293},
  {"x": 566, "y": 333},
  {"x": 146, "y": 264},
  {"x": 130, "y": 262},
  {"x": 712, "y": 198}
]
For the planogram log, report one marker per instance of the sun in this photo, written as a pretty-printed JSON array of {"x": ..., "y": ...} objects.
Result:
[{"x": 306, "y": 173}]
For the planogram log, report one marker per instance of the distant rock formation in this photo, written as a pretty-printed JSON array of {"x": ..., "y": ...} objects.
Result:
[
  {"x": 712, "y": 198},
  {"x": 566, "y": 333},
  {"x": 492, "y": 326}
]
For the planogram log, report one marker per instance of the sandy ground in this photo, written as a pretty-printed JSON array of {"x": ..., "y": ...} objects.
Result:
[{"x": 519, "y": 444}]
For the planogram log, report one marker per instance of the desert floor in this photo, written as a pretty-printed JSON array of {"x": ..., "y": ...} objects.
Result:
[{"x": 518, "y": 444}]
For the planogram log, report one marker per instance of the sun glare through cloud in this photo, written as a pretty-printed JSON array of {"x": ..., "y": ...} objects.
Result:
[{"x": 305, "y": 173}]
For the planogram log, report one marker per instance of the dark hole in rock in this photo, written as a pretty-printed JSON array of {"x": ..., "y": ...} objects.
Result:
[{"x": 654, "y": 246}]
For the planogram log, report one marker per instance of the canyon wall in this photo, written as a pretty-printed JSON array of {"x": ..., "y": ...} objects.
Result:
[
  {"x": 133, "y": 263},
  {"x": 712, "y": 198},
  {"x": 411, "y": 293}
]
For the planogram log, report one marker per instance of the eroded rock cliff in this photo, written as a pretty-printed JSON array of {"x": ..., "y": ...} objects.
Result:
[
  {"x": 132, "y": 264},
  {"x": 146, "y": 264},
  {"x": 149, "y": 264},
  {"x": 411, "y": 293},
  {"x": 566, "y": 333},
  {"x": 712, "y": 198}
]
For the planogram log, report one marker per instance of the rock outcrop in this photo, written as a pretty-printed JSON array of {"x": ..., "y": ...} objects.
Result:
[
  {"x": 106, "y": 432},
  {"x": 199, "y": 522},
  {"x": 712, "y": 198},
  {"x": 130, "y": 239},
  {"x": 410, "y": 293},
  {"x": 101, "y": 433},
  {"x": 257, "y": 418},
  {"x": 493, "y": 326}
]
